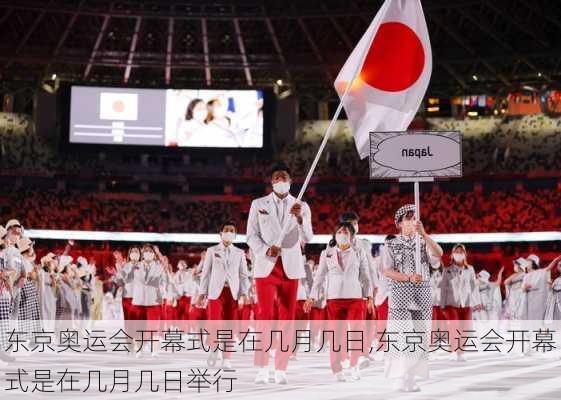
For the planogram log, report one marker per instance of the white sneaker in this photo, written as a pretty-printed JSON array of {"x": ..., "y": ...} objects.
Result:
[
  {"x": 227, "y": 364},
  {"x": 340, "y": 376},
  {"x": 262, "y": 376},
  {"x": 363, "y": 362},
  {"x": 280, "y": 377},
  {"x": 355, "y": 373},
  {"x": 410, "y": 385}
]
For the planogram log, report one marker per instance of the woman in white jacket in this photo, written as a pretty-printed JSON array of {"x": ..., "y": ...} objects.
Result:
[
  {"x": 553, "y": 308},
  {"x": 147, "y": 294},
  {"x": 459, "y": 295},
  {"x": 123, "y": 277},
  {"x": 347, "y": 269},
  {"x": 516, "y": 307}
]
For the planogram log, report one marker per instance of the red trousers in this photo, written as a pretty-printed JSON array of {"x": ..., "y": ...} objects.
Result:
[
  {"x": 169, "y": 313},
  {"x": 317, "y": 318},
  {"x": 127, "y": 306},
  {"x": 300, "y": 314},
  {"x": 183, "y": 305},
  {"x": 224, "y": 308},
  {"x": 276, "y": 295},
  {"x": 150, "y": 315},
  {"x": 197, "y": 314},
  {"x": 438, "y": 319},
  {"x": 245, "y": 312},
  {"x": 459, "y": 319},
  {"x": 339, "y": 311}
]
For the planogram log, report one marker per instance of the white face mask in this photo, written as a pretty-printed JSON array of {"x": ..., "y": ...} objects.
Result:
[
  {"x": 135, "y": 256},
  {"x": 200, "y": 115},
  {"x": 458, "y": 257},
  {"x": 342, "y": 239},
  {"x": 228, "y": 236},
  {"x": 148, "y": 255},
  {"x": 281, "y": 187}
]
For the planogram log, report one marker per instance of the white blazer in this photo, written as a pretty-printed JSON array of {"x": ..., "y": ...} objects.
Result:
[
  {"x": 125, "y": 277},
  {"x": 184, "y": 282},
  {"x": 147, "y": 284},
  {"x": 218, "y": 268},
  {"x": 351, "y": 283},
  {"x": 264, "y": 229}
]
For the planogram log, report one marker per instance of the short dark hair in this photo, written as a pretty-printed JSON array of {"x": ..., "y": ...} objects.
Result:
[
  {"x": 349, "y": 216},
  {"x": 389, "y": 237},
  {"x": 279, "y": 166},
  {"x": 344, "y": 224},
  {"x": 228, "y": 223}
]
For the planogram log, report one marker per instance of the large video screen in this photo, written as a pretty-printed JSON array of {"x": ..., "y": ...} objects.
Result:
[{"x": 166, "y": 117}]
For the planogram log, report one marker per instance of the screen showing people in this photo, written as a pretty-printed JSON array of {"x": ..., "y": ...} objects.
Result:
[{"x": 167, "y": 117}]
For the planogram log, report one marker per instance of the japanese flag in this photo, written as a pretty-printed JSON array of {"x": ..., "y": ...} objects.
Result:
[
  {"x": 118, "y": 106},
  {"x": 392, "y": 65}
]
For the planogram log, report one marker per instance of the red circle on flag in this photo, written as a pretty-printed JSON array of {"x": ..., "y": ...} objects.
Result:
[
  {"x": 118, "y": 106},
  {"x": 395, "y": 60}
]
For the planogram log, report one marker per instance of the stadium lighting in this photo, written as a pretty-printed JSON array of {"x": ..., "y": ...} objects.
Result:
[
  {"x": 53, "y": 77},
  {"x": 279, "y": 82},
  {"x": 475, "y": 77}
]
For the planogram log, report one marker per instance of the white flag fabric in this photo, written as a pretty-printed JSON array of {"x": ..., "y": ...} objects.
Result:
[
  {"x": 392, "y": 66},
  {"x": 118, "y": 106}
]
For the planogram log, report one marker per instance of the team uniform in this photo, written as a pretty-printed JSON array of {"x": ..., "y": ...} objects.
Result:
[
  {"x": 276, "y": 279},
  {"x": 348, "y": 274},
  {"x": 410, "y": 307}
]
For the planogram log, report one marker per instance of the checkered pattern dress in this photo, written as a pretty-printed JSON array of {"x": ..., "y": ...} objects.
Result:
[
  {"x": 28, "y": 311},
  {"x": 5, "y": 307},
  {"x": 410, "y": 310}
]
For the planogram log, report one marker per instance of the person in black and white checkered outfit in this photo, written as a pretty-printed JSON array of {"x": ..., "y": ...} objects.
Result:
[
  {"x": 6, "y": 277},
  {"x": 21, "y": 257},
  {"x": 410, "y": 300}
]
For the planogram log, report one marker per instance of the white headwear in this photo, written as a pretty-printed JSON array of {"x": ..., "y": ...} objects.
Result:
[
  {"x": 534, "y": 258},
  {"x": 522, "y": 263},
  {"x": 484, "y": 275}
]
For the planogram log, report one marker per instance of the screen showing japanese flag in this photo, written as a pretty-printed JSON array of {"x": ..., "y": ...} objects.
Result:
[
  {"x": 167, "y": 117},
  {"x": 118, "y": 106}
]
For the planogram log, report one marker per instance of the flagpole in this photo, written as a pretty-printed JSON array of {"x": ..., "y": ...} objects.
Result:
[
  {"x": 418, "y": 268},
  {"x": 329, "y": 130}
]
